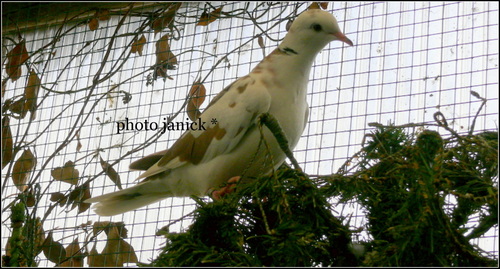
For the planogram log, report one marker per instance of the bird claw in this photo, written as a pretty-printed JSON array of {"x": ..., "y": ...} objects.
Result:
[{"x": 229, "y": 188}]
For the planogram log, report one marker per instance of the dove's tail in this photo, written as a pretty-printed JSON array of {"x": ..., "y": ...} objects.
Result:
[{"x": 128, "y": 199}]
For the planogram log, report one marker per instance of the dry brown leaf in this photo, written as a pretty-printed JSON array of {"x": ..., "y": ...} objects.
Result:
[
  {"x": 82, "y": 207},
  {"x": 192, "y": 111},
  {"x": 54, "y": 251},
  {"x": 197, "y": 96},
  {"x": 31, "y": 93},
  {"x": 102, "y": 14},
  {"x": 95, "y": 259},
  {"x": 127, "y": 252},
  {"x": 19, "y": 108},
  {"x": 22, "y": 169},
  {"x": 68, "y": 173},
  {"x": 7, "y": 144},
  {"x": 117, "y": 251},
  {"x": 166, "y": 19},
  {"x": 93, "y": 24},
  {"x": 206, "y": 19},
  {"x": 72, "y": 262},
  {"x": 106, "y": 227},
  {"x": 162, "y": 72},
  {"x": 111, "y": 173},
  {"x": 73, "y": 250},
  {"x": 15, "y": 58},
  {"x": 77, "y": 196},
  {"x": 138, "y": 45},
  {"x": 58, "y": 198},
  {"x": 99, "y": 226},
  {"x": 79, "y": 145},
  {"x": 30, "y": 198},
  {"x": 164, "y": 55}
]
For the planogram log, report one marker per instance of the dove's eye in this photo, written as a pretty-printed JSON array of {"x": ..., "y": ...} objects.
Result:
[{"x": 316, "y": 27}]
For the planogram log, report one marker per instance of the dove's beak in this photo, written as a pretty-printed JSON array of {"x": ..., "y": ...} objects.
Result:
[{"x": 340, "y": 36}]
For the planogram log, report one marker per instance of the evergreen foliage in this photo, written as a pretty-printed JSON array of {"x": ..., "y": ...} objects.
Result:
[{"x": 418, "y": 194}]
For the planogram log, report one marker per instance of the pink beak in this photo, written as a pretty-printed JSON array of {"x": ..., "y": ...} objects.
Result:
[{"x": 340, "y": 36}]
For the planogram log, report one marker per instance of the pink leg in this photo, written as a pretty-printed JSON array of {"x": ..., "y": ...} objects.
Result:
[{"x": 218, "y": 194}]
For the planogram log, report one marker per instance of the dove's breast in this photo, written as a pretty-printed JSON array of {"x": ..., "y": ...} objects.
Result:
[{"x": 287, "y": 86}]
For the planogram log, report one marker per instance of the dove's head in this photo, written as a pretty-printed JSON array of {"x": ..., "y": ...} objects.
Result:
[{"x": 313, "y": 30}]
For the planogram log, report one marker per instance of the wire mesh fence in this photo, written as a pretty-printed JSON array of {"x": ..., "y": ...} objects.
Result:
[{"x": 84, "y": 94}]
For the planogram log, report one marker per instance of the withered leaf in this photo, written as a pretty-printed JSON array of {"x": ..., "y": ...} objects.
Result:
[
  {"x": 192, "y": 111},
  {"x": 162, "y": 72},
  {"x": 19, "y": 108},
  {"x": 112, "y": 249},
  {"x": 111, "y": 173},
  {"x": 68, "y": 173},
  {"x": 79, "y": 145},
  {"x": 117, "y": 250},
  {"x": 138, "y": 45},
  {"x": 106, "y": 227},
  {"x": 82, "y": 207},
  {"x": 54, "y": 251},
  {"x": 197, "y": 96},
  {"x": 166, "y": 19},
  {"x": 127, "y": 97},
  {"x": 115, "y": 253},
  {"x": 15, "y": 58},
  {"x": 7, "y": 144},
  {"x": 164, "y": 55},
  {"x": 77, "y": 196},
  {"x": 102, "y": 14},
  {"x": 93, "y": 24},
  {"x": 58, "y": 198},
  {"x": 30, "y": 198},
  {"x": 31, "y": 93},
  {"x": 22, "y": 169},
  {"x": 127, "y": 252},
  {"x": 95, "y": 259},
  {"x": 73, "y": 250},
  {"x": 206, "y": 18}
]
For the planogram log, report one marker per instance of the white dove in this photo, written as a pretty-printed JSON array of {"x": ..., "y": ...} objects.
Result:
[{"x": 203, "y": 159}]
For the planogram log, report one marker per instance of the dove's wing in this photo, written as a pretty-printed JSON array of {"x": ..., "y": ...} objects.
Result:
[{"x": 226, "y": 120}]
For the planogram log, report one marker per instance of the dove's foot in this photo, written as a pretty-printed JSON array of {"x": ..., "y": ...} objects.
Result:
[{"x": 229, "y": 188}]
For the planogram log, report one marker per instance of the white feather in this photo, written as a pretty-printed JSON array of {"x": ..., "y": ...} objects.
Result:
[{"x": 201, "y": 160}]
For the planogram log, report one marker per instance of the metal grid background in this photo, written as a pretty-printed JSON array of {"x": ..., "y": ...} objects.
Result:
[{"x": 409, "y": 61}]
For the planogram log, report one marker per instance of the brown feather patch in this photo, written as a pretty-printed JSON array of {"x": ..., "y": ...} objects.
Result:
[
  {"x": 191, "y": 149},
  {"x": 242, "y": 88},
  {"x": 146, "y": 162}
]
